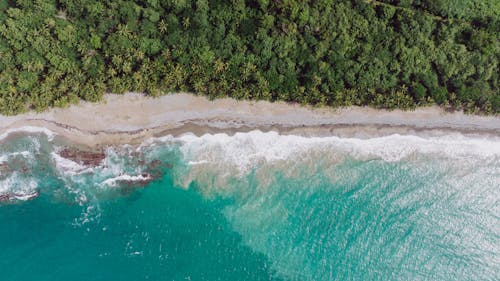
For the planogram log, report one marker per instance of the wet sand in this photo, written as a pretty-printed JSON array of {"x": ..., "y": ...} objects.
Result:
[{"x": 132, "y": 118}]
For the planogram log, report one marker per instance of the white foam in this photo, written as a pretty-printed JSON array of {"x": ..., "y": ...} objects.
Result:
[
  {"x": 397, "y": 147},
  {"x": 200, "y": 162},
  {"x": 26, "y": 196},
  {"x": 68, "y": 166},
  {"x": 25, "y": 154},
  {"x": 245, "y": 150},
  {"x": 125, "y": 177},
  {"x": 17, "y": 187},
  {"x": 154, "y": 140},
  {"x": 29, "y": 129}
]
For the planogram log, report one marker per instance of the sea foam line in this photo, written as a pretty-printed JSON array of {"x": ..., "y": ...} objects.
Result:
[
  {"x": 247, "y": 148},
  {"x": 127, "y": 178}
]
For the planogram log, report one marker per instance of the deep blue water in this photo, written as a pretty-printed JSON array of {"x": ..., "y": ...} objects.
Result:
[{"x": 254, "y": 206}]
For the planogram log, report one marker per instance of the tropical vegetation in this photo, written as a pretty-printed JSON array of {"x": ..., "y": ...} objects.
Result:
[{"x": 386, "y": 54}]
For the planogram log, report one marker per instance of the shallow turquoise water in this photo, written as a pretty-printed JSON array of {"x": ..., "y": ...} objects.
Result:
[{"x": 254, "y": 206}]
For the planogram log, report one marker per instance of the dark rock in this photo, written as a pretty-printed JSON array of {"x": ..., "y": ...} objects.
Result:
[
  {"x": 87, "y": 158},
  {"x": 157, "y": 167},
  {"x": 11, "y": 196},
  {"x": 154, "y": 164},
  {"x": 4, "y": 197}
]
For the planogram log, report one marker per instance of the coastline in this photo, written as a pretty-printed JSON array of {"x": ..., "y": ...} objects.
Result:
[{"x": 132, "y": 118}]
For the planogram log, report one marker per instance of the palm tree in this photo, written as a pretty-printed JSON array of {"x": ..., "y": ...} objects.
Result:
[
  {"x": 122, "y": 30},
  {"x": 162, "y": 27}
]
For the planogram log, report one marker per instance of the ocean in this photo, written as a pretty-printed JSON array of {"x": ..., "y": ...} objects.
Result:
[{"x": 252, "y": 206}]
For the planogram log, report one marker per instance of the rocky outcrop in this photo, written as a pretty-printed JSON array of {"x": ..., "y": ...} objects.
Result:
[
  {"x": 87, "y": 158},
  {"x": 12, "y": 196},
  {"x": 4, "y": 197}
]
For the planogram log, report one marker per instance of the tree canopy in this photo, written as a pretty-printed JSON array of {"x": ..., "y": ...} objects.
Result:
[{"x": 386, "y": 54}]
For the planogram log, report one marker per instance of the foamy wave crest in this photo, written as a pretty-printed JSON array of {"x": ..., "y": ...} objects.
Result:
[
  {"x": 126, "y": 178},
  {"x": 215, "y": 158},
  {"x": 24, "y": 154},
  {"x": 17, "y": 161},
  {"x": 68, "y": 166},
  {"x": 248, "y": 149},
  {"x": 16, "y": 187},
  {"x": 288, "y": 193},
  {"x": 29, "y": 129},
  {"x": 245, "y": 150},
  {"x": 398, "y": 147}
]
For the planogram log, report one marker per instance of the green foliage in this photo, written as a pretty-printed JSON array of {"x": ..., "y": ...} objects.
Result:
[
  {"x": 419, "y": 92},
  {"x": 387, "y": 54}
]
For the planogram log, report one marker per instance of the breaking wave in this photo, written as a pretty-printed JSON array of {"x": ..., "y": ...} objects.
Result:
[{"x": 397, "y": 207}]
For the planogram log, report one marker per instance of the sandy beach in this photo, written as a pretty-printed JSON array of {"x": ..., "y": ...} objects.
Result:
[{"x": 132, "y": 117}]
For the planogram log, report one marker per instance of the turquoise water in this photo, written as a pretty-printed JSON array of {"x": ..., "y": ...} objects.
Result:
[{"x": 253, "y": 206}]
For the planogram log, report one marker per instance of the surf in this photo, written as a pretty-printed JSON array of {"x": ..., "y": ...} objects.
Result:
[{"x": 396, "y": 207}]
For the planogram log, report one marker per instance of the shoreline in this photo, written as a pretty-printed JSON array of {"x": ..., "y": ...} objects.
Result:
[{"x": 133, "y": 118}]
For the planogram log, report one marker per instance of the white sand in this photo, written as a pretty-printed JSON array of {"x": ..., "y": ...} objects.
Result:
[{"x": 132, "y": 117}]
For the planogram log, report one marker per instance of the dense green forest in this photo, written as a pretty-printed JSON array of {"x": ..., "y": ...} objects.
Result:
[{"x": 386, "y": 54}]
